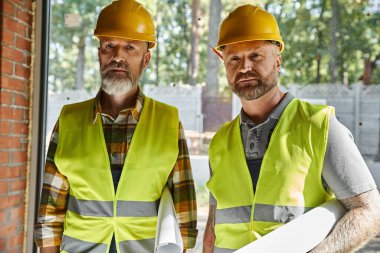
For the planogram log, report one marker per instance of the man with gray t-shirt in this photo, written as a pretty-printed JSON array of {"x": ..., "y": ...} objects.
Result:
[
  {"x": 345, "y": 177},
  {"x": 281, "y": 157}
]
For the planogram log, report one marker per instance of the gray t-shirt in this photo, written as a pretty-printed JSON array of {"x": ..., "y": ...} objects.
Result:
[{"x": 344, "y": 170}]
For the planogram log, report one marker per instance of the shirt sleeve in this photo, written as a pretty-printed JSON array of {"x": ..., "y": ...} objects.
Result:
[
  {"x": 345, "y": 170},
  {"x": 49, "y": 228},
  {"x": 181, "y": 185}
]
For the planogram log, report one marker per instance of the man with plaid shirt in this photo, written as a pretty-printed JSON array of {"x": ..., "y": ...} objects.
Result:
[{"x": 110, "y": 157}]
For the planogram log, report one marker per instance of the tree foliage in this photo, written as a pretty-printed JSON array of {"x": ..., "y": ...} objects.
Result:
[
  {"x": 305, "y": 27},
  {"x": 356, "y": 37}
]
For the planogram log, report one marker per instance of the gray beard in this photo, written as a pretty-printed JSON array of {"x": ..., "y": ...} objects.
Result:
[
  {"x": 114, "y": 86},
  {"x": 256, "y": 90}
]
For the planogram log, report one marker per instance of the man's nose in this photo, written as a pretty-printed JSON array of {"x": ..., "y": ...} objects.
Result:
[
  {"x": 245, "y": 65},
  {"x": 118, "y": 55}
]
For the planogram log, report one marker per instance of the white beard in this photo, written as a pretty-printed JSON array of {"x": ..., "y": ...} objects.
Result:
[{"x": 113, "y": 86}]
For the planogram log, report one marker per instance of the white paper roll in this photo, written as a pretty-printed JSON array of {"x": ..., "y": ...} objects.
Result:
[
  {"x": 168, "y": 236},
  {"x": 301, "y": 234}
]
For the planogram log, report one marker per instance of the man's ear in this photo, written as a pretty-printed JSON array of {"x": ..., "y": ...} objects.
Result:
[
  {"x": 147, "y": 58},
  {"x": 278, "y": 61}
]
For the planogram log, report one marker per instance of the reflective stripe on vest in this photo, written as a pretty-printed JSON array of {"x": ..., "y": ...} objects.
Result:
[
  {"x": 90, "y": 207},
  {"x": 289, "y": 183},
  {"x": 72, "y": 245},
  {"x": 105, "y": 208},
  {"x": 268, "y": 213},
  {"x": 82, "y": 157},
  {"x": 141, "y": 246},
  {"x": 223, "y": 250}
]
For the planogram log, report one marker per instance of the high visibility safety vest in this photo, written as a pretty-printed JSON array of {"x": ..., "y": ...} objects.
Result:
[
  {"x": 289, "y": 183},
  {"x": 95, "y": 212}
]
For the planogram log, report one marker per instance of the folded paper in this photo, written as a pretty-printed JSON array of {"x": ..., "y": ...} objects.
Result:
[
  {"x": 301, "y": 234},
  {"x": 168, "y": 236}
]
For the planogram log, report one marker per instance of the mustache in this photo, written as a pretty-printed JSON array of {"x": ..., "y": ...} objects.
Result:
[
  {"x": 249, "y": 74},
  {"x": 120, "y": 65}
]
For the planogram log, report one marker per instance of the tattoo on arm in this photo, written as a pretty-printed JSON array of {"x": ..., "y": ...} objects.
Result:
[
  {"x": 209, "y": 235},
  {"x": 211, "y": 216}
]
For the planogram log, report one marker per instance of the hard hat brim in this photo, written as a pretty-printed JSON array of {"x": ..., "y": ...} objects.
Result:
[
  {"x": 152, "y": 42},
  {"x": 246, "y": 39}
]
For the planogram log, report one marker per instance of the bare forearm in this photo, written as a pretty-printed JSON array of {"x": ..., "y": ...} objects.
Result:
[
  {"x": 359, "y": 225},
  {"x": 54, "y": 249},
  {"x": 209, "y": 234},
  {"x": 208, "y": 240}
]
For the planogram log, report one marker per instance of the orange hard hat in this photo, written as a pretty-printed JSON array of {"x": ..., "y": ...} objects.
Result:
[
  {"x": 126, "y": 19},
  {"x": 246, "y": 23}
]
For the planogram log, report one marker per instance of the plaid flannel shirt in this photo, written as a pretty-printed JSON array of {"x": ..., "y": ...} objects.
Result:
[{"x": 118, "y": 134}]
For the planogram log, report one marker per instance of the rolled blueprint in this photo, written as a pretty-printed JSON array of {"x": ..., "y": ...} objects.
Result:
[
  {"x": 301, "y": 234},
  {"x": 168, "y": 236}
]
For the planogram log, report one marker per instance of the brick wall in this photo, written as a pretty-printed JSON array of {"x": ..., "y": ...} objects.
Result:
[{"x": 16, "y": 28}]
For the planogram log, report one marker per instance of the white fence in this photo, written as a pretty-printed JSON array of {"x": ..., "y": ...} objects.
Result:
[
  {"x": 188, "y": 100},
  {"x": 357, "y": 107}
]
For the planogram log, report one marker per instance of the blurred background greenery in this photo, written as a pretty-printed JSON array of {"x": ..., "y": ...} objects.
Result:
[{"x": 326, "y": 41}]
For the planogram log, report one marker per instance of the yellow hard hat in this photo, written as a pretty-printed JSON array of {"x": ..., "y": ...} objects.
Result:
[
  {"x": 126, "y": 19},
  {"x": 249, "y": 22}
]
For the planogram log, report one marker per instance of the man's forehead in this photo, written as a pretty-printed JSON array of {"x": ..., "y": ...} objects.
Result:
[
  {"x": 247, "y": 45},
  {"x": 104, "y": 39}
]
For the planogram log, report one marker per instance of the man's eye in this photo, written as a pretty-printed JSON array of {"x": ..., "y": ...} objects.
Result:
[
  {"x": 235, "y": 58},
  {"x": 108, "y": 46},
  {"x": 255, "y": 56},
  {"x": 129, "y": 47}
]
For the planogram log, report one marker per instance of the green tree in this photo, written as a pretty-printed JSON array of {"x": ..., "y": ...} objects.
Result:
[
  {"x": 68, "y": 48},
  {"x": 319, "y": 35},
  {"x": 193, "y": 66},
  {"x": 212, "y": 79}
]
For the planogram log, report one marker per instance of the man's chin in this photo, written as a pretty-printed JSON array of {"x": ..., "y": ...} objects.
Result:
[
  {"x": 118, "y": 88},
  {"x": 247, "y": 85},
  {"x": 246, "y": 97},
  {"x": 249, "y": 94},
  {"x": 117, "y": 92}
]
